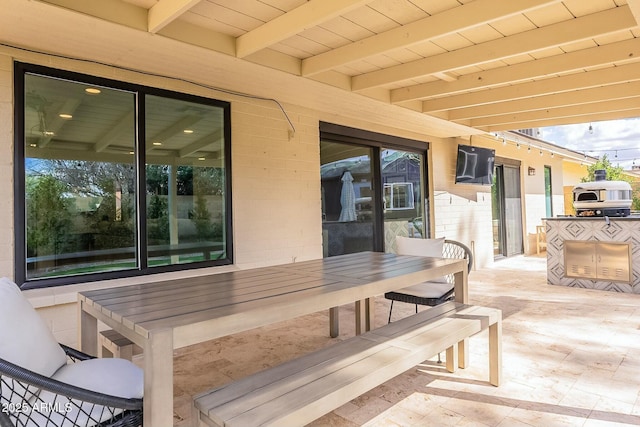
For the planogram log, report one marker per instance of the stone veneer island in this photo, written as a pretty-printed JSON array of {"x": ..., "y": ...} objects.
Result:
[{"x": 594, "y": 252}]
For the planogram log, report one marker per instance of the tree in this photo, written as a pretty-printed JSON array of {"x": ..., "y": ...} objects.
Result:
[
  {"x": 48, "y": 216},
  {"x": 201, "y": 217},
  {"x": 158, "y": 220},
  {"x": 614, "y": 173}
]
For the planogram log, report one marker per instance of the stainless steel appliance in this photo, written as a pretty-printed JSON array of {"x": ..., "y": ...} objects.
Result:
[{"x": 602, "y": 198}]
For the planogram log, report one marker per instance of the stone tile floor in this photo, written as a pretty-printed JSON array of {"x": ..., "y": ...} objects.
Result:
[{"x": 571, "y": 357}]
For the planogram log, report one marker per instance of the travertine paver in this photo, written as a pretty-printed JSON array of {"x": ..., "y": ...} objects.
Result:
[{"x": 571, "y": 357}]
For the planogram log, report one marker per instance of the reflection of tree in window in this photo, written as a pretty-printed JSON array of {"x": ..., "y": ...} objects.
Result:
[
  {"x": 206, "y": 182},
  {"x": 86, "y": 206},
  {"x": 48, "y": 216}
]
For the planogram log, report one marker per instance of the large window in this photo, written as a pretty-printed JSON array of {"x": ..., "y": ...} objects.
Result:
[{"x": 114, "y": 179}]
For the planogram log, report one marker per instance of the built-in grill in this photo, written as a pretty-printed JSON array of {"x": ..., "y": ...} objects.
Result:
[{"x": 602, "y": 197}]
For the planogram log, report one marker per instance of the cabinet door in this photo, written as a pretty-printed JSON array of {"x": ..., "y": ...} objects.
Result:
[
  {"x": 580, "y": 259},
  {"x": 612, "y": 260}
]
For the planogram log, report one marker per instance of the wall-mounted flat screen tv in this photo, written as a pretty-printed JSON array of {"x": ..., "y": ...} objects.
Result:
[{"x": 475, "y": 165}]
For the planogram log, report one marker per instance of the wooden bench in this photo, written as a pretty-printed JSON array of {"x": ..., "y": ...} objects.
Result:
[
  {"x": 112, "y": 344},
  {"x": 303, "y": 389}
]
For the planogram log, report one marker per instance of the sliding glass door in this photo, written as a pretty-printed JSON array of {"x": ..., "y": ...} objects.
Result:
[
  {"x": 348, "y": 198},
  {"x": 507, "y": 211},
  {"x": 371, "y": 193}
]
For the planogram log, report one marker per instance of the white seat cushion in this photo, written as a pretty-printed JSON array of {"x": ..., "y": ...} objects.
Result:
[
  {"x": 420, "y": 247},
  {"x": 25, "y": 339},
  {"x": 115, "y": 377}
]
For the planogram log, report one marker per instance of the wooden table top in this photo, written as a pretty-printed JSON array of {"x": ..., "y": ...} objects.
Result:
[{"x": 206, "y": 307}]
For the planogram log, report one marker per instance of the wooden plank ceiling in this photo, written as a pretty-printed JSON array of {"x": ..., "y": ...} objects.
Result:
[{"x": 488, "y": 64}]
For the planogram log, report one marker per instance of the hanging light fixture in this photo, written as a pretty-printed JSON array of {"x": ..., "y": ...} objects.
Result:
[{"x": 590, "y": 129}]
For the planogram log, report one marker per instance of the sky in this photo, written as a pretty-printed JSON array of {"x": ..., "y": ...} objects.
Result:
[{"x": 618, "y": 139}]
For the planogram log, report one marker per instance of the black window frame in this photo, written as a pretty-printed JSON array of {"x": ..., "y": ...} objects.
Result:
[
  {"x": 140, "y": 91},
  {"x": 377, "y": 141}
]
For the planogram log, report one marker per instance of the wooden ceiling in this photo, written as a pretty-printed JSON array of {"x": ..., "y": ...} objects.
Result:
[{"x": 488, "y": 64}]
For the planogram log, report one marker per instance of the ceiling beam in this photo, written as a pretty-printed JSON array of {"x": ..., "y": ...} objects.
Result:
[
  {"x": 166, "y": 11},
  {"x": 627, "y": 50},
  {"x": 635, "y": 8},
  {"x": 126, "y": 123},
  {"x": 600, "y": 77},
  {"x": 194, "y": 147},
  {"x": 627, "y": 114},
  {"x": 617, "y": 91},
  {"x": 308, "y": 15},
  {"x": 562, "y": 112},
  {"x": 117, "y": 11},
  {"x": 554, "y": 35},
  {"x": 450, "y": 21},
  {"x": 56, "y": 123},
  {"x": 171, "y": 130}
]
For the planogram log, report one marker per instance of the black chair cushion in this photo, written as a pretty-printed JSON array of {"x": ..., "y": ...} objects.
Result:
[{"x": 427, "y": 293}]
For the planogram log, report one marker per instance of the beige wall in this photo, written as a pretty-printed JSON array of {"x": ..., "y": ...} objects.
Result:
[
  {"x": 463, "y": 212},
  {"x": 6, "y": 165},
  {"x": 276, "y": 181}
]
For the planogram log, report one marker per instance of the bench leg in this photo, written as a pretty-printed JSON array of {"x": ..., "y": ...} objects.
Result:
[
  {"x": 452, "y": 358},
  {"x": 463, "y": 354},
  {"x": 495, "y": 353}
]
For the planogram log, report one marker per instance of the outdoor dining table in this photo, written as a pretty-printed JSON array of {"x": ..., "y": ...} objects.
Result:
[{"x": 167, "y": 315}]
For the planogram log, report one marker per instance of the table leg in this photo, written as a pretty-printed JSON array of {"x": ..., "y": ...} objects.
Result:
[
  {"x": 461, "y": 294},
  {"x": 364, "y": 316},
  {"x": 370, "y": 321},
  {"x": 334, "y": 322},
  {"x": 158, "y": 379},
  {"x": 361, "y": 321},
  {"x": 461, "y": 287},
  {"x": 87, "y": 331}
]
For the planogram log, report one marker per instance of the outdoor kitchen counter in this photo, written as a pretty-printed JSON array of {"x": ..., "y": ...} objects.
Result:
[{"x": 594, "y": 252}]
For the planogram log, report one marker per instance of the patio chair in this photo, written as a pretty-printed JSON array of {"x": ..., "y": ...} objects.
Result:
[
  {"x": 437, "y": 291},
  {"x": 43, "y": 383}
]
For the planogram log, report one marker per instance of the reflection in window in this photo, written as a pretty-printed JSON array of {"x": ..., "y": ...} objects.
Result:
[
  {"x": 347, "y": 198},
  {"x": 398, "y": 196},
  {"x": 185, "y": 193},
  {"x": 82, "y": 192},
  {"x": 79, "y": 178},
  {"x": 402, "y": 175}
]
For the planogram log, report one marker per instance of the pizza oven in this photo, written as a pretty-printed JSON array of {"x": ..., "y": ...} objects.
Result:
[{"x": 602, "y": 197}]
